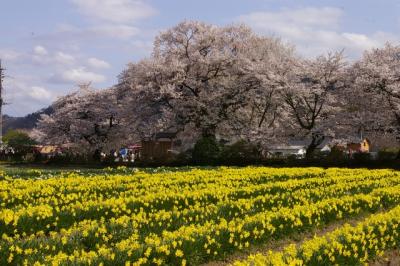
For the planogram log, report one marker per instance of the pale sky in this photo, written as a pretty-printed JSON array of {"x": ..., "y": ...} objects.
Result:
[{"x": 49, "y": 46}]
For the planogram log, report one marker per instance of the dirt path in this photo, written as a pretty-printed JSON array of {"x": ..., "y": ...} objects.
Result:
[
  {"x": 298, "y": 239},
  {"x": 391, "y": 258}
]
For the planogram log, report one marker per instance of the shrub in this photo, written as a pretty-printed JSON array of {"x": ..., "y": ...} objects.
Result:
[
  {"x": 336, "y": 155},
  {"x": 240, "y": 153},
  {"x": 388, "y": 154},
  {"x": 18, "y": 139},
  {"x": 206, "y": 151},
  {"x": 183, "y": 158},
  {"x": 361, "y": 157}
]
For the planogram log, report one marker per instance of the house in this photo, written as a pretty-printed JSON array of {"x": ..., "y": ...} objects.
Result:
[
  {"x": 298, "y": 148},
  {"x": 351, "y": 146},
  {"x": 47, "y": 151},
  {"x": 359, "y": 146},
  {"x": 326, "y": 145},
  {"x": 284, "y": 151},
  {"x": 356, "y": 145},
  {"x": 160, "y": 146}
]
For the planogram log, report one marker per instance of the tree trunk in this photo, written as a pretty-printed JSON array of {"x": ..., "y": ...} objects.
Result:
[
  {"x": 96, "y": 155},
  {"x": 208, "y": 132},
  {"x": 310, "y": 151},
  {"x": 316, "y": 140}
]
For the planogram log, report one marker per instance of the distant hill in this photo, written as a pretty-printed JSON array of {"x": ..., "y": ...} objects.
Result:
[{"x": 27, "y": 122}]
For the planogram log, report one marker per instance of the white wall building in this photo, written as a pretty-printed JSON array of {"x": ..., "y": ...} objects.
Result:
[{"x": 284, "y": 151}]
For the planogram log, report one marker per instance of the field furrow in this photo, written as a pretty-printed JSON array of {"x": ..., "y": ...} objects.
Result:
[{"x": 182, "y": 217}]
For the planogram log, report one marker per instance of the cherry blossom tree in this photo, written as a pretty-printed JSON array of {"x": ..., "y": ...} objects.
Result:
[
  {"x": 213, "y": 80},
  {"x": 145, "y": 107},
  {"x": 378, "y": 74},
  {"x": 311, "y": 98},
  {"x": 262, "y": 117},
  {"x": 361, "y": 111},
  {"x": 87, "y": 120},
  {"x": 230, "y": 83}
]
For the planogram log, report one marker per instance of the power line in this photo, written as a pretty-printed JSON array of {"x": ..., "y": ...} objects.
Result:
[{"x": 1, "y": 102}]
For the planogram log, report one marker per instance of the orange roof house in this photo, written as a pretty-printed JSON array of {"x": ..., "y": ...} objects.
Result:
[{"x": 362, "y": 146}]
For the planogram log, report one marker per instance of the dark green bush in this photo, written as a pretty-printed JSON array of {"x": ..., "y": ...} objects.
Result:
[
  {"x": 336, "y": 155},
  {"x": 183, "y": 158},
  {"x": 361, "y": 157},
  {"x": 18, "y": 139},
  {"x": 206, "y": 151},
  {"x": 240, "y": 153},
  {"x": 388, "y": 154}
]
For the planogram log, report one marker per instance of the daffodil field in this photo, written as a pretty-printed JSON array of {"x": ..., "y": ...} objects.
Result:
[{"x": 195, "y": 216}]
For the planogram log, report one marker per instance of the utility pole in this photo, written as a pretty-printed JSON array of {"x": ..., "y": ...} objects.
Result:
[{"x": 1, "y": 102}]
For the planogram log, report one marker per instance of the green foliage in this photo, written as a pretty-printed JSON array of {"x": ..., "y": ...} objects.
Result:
[
  {"x": 388, "y": 154},
  {"x": 336, "y": 155},
  {"x": 362, "y": 157},
  {"x": 18, "y": 139},
  {"x": 240, "y": 153},
  {"x": 183, "y": 158},
  {"x": 206, "y": 151}
]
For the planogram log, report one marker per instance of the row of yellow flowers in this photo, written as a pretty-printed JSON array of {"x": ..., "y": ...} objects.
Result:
[
  {"x": 347, "y": 245},
  {"x": 233, "y": 208},
  {"x": 20, "y": 191},
  {"x": 176, "y": 217},
  {"x": 194, "y": 206},
  {"x": 212, "y": 238}
]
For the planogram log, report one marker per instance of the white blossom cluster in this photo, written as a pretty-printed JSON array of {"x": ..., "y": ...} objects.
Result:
[{"x": 204, "y": 80}]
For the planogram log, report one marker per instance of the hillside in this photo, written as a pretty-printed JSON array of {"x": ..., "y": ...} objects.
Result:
[{"x": 26, "y": 122}]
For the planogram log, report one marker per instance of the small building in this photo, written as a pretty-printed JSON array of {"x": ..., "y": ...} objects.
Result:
[
  {"x": 48, "y": 151},
  {"x": 298, "y": 148},
  {"x": 134, "y": 152},
  {"x": 284, "y": 151},
  {"x": 359, "y": 146},
  {"x": 325, "y": 146},
  {"x": 351, "y": 146},
  {"x": 159, "y": 146},
  {"x": 355, "y": 146}
]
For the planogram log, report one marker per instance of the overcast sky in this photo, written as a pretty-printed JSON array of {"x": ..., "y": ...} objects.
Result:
[{"x": 50, "y": 46}]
